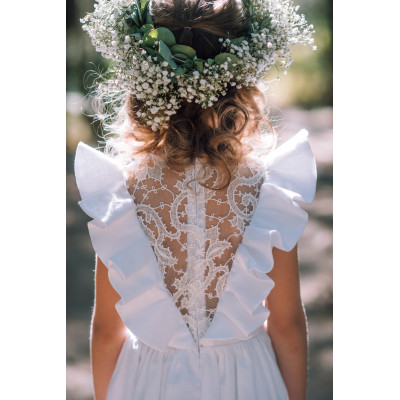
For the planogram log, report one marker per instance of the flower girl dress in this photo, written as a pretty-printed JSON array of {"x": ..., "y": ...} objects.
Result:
[{"x": 191, "y": 264}]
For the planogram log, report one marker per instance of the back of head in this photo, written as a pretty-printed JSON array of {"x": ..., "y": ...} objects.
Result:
[
  {"x": 214, "y": 134},
  {"x": 187, "y": 71}
]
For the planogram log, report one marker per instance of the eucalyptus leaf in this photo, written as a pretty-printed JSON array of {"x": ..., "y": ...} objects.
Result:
[
  {"x": 210, "y": 61},
  {"x": 238, "y": 41},
  {"x": 156, "y": 35},
  {"x": 189, "y": 64},
  {"x": 150, "y": 51},
  {"x": 146, "y": 28},
  {"x": 199, "y": 65},
  {"x": 188, "y": 51},
  {"x": 180, "y": 57},
  {"x": 165, "y": 52},
  {"x": 179, "y": 71},
  {"x": 172, "y": 63},
  {"x": 137, "y": 34},
  {"x": 228, "y": 58}
]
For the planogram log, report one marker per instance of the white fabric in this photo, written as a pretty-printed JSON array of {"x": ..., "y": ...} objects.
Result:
[
  {"x": 162, "y": 359},
  {"x": 194, "y": 230}
]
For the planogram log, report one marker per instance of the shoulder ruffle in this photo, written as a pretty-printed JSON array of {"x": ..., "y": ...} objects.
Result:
[
  {"x": 278, "y": 221},
  {"x": 145, "y": 306}
]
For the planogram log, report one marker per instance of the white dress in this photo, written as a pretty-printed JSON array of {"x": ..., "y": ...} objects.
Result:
[{"x": 191, "y": 264}]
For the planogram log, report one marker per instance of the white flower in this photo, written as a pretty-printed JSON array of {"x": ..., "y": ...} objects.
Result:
[{"x": 149, "y": 79}]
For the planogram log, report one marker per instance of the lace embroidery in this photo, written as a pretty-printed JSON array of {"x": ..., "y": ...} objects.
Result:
[{"x": 194, "y": 231}]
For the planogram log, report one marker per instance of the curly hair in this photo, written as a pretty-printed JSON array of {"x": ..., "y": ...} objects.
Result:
[{"x": 216, "y": 135}]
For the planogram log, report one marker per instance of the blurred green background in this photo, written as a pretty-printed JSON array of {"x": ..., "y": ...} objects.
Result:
[{"x": 302, "y": 99}]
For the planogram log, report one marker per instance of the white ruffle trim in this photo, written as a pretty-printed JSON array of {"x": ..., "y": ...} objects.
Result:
[
  {"x": 278, "y": 221},
  {"x": 146, "y": 307}
]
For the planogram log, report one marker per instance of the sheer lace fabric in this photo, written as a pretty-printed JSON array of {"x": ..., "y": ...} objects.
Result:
[{"x": 194, "y": 231}]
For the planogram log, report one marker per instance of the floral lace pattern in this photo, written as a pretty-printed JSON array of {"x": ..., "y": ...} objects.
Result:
[{"x": 194, "y": 231}]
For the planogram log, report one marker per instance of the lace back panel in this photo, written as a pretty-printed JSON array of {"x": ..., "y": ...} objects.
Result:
[{"x": 194, "y": 231}]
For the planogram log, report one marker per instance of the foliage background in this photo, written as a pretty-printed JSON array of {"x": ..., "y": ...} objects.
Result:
[{"x": 303, "y": 98}]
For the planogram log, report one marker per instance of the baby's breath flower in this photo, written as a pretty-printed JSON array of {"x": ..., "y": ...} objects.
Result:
[{"x": 159, "y": 85}]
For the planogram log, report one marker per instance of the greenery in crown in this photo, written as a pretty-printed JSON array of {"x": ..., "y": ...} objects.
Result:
[{"x": 148, "y": 63}]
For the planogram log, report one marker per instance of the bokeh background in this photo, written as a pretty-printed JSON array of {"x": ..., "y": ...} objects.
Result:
[{"x": 302, "y": 99}]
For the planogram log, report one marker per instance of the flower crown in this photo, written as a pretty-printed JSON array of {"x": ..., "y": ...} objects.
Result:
[{"x": 148, "y": 63}]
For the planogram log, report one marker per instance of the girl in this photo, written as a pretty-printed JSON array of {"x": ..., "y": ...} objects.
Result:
[{"x": 192, "y": 224}]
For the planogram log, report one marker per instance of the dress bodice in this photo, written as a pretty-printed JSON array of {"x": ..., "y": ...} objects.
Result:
[
  {"x": 193, "y": 229},
  {"x": 192, "y": 260}
]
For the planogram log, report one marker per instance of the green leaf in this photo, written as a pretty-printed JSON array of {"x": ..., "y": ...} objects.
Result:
[
  {"x": 179, "y": 71},
  {"x": 164, "y": 50},
  {"x": 210, "y": 61},
  {"x": 150, "y": 51},
  {"x": 149, "y": 20},
  {"x": 199, "y": 64},
  {"x": 146, "y": 28},
  {"x": 135, "y": 18},
  {"x": 139, "y": 12},
  {"x": 228, "y": 58},
  {"x": 181, "y": 58},
  {"x": 238, "y": 41},
  {"x": 132, "y": 29},
  {"x": 166, "y": 54},
  {"x": 188, "y": 64},
  {"x": 188, "y": 51},
  {"x": 156, "y": 35},
  {"x": 266, "y": 23},
  {"x": 251, "y": 11},
  {"x": 160, "y": 58},
  {"x": 137, "y": 34},
  {"x": 144, "y": 6}
]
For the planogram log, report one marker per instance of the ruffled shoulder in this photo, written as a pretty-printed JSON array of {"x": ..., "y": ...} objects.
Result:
[
  {"x": 121, "y": 244},
  {"x": 278, "y": 221},
  {"x": 291, "y": 176}
]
